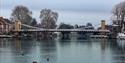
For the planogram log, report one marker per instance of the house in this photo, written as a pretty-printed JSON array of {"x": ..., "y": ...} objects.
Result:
[{"x": 5, "y": 25}]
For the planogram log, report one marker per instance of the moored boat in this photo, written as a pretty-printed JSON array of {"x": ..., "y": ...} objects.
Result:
[
  {"x": 5, "y": 36},
  {"x": 121, "y": 36},
  {"x": 121, "y": 40}
]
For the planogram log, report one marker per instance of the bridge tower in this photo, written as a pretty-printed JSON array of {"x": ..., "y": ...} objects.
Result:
[
  {"x": 103, "y": 25},
  {"x": 17, "y": 25}
]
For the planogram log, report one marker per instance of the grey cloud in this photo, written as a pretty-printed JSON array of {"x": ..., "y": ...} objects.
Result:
[{"x": 80, "y": 5}]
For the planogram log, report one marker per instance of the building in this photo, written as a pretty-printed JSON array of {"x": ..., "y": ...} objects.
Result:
[{"x": 5, "y": 25}]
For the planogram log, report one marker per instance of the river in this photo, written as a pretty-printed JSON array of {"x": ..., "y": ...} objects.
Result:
[{"x": 61, "y": 51}]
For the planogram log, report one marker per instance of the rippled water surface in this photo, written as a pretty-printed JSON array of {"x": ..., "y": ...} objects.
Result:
[{"x": 61, "y": 51}]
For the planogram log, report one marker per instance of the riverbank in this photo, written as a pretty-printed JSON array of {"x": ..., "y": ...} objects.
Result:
[
  {"x": 55, "y": 36},
  {"x": 6, "y": 36}
]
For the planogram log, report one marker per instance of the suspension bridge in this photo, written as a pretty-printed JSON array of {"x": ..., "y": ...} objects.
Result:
[
  {"x": 18, "y": 28},
  {"x": 27, "y": 29}
]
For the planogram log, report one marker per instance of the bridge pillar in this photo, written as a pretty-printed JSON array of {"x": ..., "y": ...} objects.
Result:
[
  {"x": 83, "y": 35},
  {"x": 17, "y": 25},
  {"x": 65, "y": 35}
]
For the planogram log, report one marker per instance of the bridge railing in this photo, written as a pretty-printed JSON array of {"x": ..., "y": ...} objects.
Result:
[
  {"x": 33, "y": 29},
  {"x": 62, "y": 30}
]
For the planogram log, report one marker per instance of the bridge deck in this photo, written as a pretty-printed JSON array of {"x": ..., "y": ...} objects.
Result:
[{"x": 61, "y": 30}]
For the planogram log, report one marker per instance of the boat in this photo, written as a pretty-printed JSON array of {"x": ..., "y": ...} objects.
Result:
[
  {"x": 121, "y": 36},
  {"x": 5, "y": 36},
  {"x": 98, "y": 36},
  {"x": 121, "y": 40}
]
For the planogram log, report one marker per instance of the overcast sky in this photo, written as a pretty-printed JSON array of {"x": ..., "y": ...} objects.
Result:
[
  {"x": 90, "y": 6},
  {"x": 81, "y": 5}
]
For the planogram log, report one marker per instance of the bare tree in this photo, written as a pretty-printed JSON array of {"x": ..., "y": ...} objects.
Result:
[
  {"x": 119, "y": 15},
  {"x": 23, "y": 14},
  {"x": 33, "y": 22},
  {"x": 65, "y": 26},
  {"x": 88, "y": 24},
  {"x": 48, "y": 19}
]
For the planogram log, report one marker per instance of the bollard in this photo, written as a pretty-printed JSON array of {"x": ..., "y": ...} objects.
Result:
[
  {"x": 34, "y": 62},
  {"x": 47, "y": 59}
]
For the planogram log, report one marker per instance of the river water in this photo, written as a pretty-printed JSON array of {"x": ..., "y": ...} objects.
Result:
[{"x": 61, "y": 51}]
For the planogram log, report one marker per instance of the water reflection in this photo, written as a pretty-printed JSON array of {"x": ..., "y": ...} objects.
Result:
[
  {"x": 23, "y": 50},
  {"x": 5, "y": 51},
  {"x": 61, "y": 51},
  {"x": 119, "y": 52},
  {"x": 121, "y": 43},
  {"x": 119, "y": 56},
  {"x": 48, "y": 50}
]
